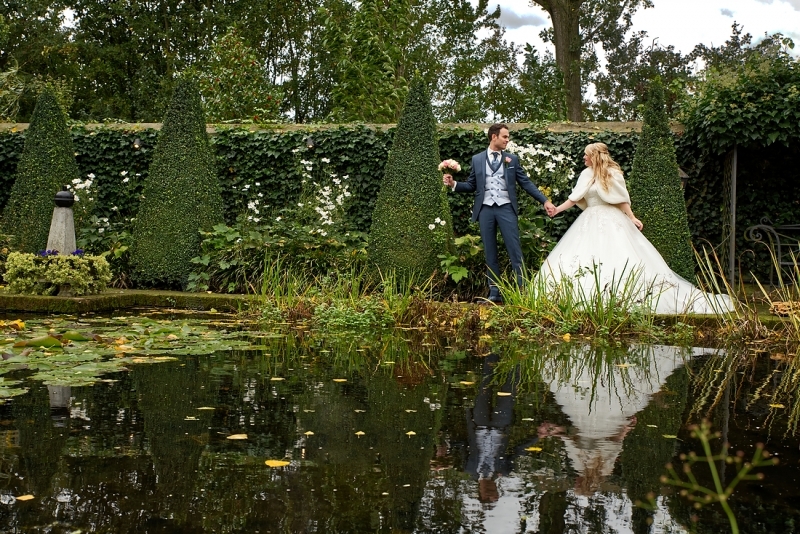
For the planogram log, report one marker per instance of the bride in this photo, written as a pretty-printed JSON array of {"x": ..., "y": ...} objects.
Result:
[{"x": 605, "y": 247}]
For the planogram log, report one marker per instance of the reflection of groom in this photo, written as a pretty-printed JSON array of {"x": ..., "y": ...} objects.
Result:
[{"x": 493, "y": 179}]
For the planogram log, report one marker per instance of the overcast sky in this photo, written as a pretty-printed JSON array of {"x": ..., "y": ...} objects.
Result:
[{"x": 681, "y": 23}]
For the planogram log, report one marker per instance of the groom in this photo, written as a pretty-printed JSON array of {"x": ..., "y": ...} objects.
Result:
[{"x": 492, "y": 179}]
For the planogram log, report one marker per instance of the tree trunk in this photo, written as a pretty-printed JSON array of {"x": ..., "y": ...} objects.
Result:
[{"x": 567, "y": 40}]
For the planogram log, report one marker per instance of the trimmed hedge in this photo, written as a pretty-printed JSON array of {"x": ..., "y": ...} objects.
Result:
[
  {"x": 411, "y": 224},
  {"x": 181, "y": 195},
  {"x": 46, "y": 165},
  {"x": 655, "y": 187}
]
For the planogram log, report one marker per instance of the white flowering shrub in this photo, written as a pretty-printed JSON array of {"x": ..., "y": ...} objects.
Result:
[
  {"x": 552, "y": 171},
  {"x": 85, "y": 192}
]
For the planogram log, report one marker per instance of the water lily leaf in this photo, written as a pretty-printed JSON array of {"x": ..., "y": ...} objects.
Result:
[
  {"x": 276, "y": 463},
  {"x": 534, "y": 449},
  {"x": 45, "y": 341},
  {"x": 237, "y": 436},
  {"x": 73, "y": 335}
]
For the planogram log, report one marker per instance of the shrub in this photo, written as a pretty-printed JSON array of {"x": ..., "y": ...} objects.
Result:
[
  {"x": 181, "y": 195},
  {"x": 43, "y": 274},
  {"x": 655, "y": 188},
  {"x": 411, "y": 224},
  {"x": 46, "y": 165}
]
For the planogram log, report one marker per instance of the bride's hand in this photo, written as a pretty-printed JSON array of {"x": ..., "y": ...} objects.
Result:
[{"x": 637, "y": 223}]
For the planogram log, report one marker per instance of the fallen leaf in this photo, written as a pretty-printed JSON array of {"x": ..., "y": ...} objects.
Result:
[
  {"x": 359, "y": 411},
  {"x": 411, "y": 433},
  {"x": 190, "y": 418},
  {"x": 652, "y": 426},
  {"x": 206, "y": 408},
  {"x": 277, "y": 463},
  {"x": 237, "y": 436},
  {"x": 277, "y": 378},
  {"x": 534, "y": 449},
  {"x": 359, "y": 433},
  {"x": 172, "y": 337},
  {"x": 503, "y": 394},
  {"x": 566, "y": 337},
  {"x": 121, "y": 341},
  {"x": 340, "y": 380},
  {"x": 467, "y": 383},
  {"x": 25, "y": 497},
  {"x": 411, "y": 411},
  {"x": 16, "y": 325},
  {"x": 527, "y": 419},
  {"x": 777, "y": 406},
  {"x": 669, "y": 436},
  {"x": 309, "y": 433}
]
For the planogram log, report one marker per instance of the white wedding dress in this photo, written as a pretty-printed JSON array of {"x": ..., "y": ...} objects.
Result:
[{"x": 604, "y": 245}]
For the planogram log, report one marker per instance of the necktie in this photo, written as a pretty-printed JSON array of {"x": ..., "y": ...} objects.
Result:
[{"x": 495, "y": 163}]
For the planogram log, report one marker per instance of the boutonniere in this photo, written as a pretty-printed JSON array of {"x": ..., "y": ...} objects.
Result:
[{"x": 506, "y": 161}]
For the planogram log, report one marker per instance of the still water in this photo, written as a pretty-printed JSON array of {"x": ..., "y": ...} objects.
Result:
[{"x": 397, "y": 434}]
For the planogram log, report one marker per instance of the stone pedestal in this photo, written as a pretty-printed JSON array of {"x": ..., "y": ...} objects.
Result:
[{"x": 62, "y": 232}]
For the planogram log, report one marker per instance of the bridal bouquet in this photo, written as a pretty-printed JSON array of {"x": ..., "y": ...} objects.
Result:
[{"x": 450, "y": 165}]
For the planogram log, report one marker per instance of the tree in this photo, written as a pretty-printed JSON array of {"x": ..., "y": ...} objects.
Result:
[
  {"x": 46, "y": 165},
  {"x": 577, "y": 26},
  {"x": 234, "y": 84},
  {"x": 655, "y": 187},
  {"x": 411, "y": 224},
  {"x": 181, "y": 195},
  {"x": 542, "y": 85}
]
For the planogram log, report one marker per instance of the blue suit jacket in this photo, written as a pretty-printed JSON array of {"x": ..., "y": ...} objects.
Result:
[{"x": 514, "y": 172}]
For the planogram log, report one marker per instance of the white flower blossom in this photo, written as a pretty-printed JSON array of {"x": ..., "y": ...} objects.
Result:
[
  {"x": 431, "y": 226},
  {"x": 125, "y": 180},
  {"x": 91, "y": 175},
  {"x": 123, "y": 173},
  {"x": 325, "y": 160}
]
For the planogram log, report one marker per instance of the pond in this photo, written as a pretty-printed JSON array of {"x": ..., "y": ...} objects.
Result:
[{"x": 233, "y": 430}]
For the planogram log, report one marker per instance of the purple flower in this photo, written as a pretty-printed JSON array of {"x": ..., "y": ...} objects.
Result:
[
  {"x": 45, "y": 253},
  {"x": 78, "y": 252}
]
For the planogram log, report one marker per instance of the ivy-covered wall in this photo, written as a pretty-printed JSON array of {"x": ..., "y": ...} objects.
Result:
[{"x": 262, "y": 161}]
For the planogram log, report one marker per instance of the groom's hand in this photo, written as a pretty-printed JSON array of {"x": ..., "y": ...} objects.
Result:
[
  {"x": 550, "y": 209},
  {"x": 447, "y": 180}
]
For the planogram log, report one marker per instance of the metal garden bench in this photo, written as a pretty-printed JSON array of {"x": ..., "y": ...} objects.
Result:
[{"x": 783, "y": 241}]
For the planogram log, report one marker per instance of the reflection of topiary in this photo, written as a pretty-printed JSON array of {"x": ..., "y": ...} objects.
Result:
[
  {"x": 411, "y": 224},
  {"x": 46, "y": 165},
  {"x": 181, "y": 195},
  {"x": 655, "y": 188}
]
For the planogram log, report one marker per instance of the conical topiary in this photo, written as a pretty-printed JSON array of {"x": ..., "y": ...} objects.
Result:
[
  {"x": 181, "y": 195},
  {"x": 411, "y": 223},
  {"x": 46, "y": 165},
  {"x": 655, "y": 187}
]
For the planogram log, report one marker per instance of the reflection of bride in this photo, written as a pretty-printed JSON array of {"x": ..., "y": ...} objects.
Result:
[
  {"x": 607, "y": 237},
  {"x": 601, "y": 407}
]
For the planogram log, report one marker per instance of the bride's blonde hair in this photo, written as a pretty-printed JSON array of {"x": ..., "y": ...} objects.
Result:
[{"x": 601, "y": 163}]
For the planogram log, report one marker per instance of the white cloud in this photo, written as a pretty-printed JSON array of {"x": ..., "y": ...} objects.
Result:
[
  {"x": 513, "y": 20},
  {"x": 726, "y": 12}
]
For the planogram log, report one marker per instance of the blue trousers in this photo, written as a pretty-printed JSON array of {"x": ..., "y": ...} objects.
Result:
[{"x": 490, "y": 219}]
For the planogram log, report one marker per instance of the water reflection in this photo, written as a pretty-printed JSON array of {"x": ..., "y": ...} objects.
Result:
[{"x": 381, "y": 436}]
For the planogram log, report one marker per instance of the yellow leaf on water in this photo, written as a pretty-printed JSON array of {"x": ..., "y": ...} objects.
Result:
[
  {"x": 277, "y": 378},
  {"x": 121, "y": 341},
  {"x": 277, "y": 463},
  {"x": 467, "y": 383},
  {"x": 25, "y": 497},
  {"x": 566, "y": 337},
  {"x": 172, "y": 337},
  {"x": 503, "y": 394},
  {"x": 340, "y": 380},
  {"x": 411, "y": 433},
  {"x": 206, "y": 408},
  {"x": 309, "y": 433},
  {"x": 237, "y": 436},
  {"x": 16, "y": 324},
  {"x": 669, "y": 436},
  {"x": 534, "y": 449},
  {"x": 777, "y": 406},
  {"x": 359, "y": 433}
]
